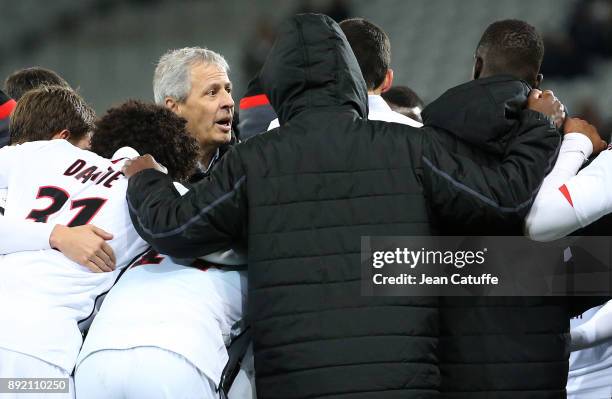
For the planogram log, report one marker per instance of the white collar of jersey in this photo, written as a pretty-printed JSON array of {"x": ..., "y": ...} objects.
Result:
[
  {"x": 379, "y": 110},
  {"x": 125, "y": 152},
  {"x": 378, "y": 104}
]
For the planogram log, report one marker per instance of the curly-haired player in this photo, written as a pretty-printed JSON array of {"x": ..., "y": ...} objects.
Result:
[
  {"x": 163, "y": 329},
  {"x": 147, "y": 128}
]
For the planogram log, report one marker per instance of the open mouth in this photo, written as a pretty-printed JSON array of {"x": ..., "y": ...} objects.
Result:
[{"x": 225, "y": 124}]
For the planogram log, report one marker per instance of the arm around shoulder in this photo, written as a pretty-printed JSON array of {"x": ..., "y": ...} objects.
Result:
[
  {"x": 470, "y": 197},
  {"x": 210, "y": 217}
]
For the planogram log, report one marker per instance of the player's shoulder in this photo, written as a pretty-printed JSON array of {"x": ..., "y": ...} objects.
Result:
[
  {"x": 50, "y": 147},
  {"x": 31, "y": 146},
  {"x": 40, "y": 151},
  {"x": 63, "y": 146},
  {"x": 58, "y": 143},
  {"x": 58, "y": 152},
  {"x": 602, "y": 161}
]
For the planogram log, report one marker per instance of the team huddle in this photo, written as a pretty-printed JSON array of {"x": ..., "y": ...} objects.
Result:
[
  {"x": 131, "y": 242},
  {"x": 50, "y": 180}
]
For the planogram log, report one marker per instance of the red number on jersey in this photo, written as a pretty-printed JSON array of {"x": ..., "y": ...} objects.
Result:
[{"x": 152, "y": 257}]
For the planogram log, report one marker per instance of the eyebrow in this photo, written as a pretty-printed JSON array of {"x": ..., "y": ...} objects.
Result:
[{"x": 216, "y": 85}]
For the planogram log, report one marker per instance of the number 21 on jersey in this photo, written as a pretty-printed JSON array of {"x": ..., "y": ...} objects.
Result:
[{"x": 87, "y": 207}]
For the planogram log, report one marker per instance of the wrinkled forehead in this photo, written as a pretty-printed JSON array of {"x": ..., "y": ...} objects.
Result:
[{"x": 202, "y": 73}]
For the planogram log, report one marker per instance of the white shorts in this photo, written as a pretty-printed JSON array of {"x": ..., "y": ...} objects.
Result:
[
  {"x": 19, "y": 365},
  {"x": 142, "y": 372}
]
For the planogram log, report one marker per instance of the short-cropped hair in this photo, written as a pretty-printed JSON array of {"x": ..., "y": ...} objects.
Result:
[
  {"x": 371, "y": 47},
  {"x": 512, "y": 47},
  {"x": 24, "y": 80},
  {"x": 41, "y": 113}
]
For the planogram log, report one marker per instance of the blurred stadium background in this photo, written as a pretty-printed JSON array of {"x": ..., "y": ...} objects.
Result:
[{"x": 108, "y": 48}]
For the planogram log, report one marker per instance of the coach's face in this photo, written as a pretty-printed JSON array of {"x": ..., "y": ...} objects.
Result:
[{"x": 209, "y": 107}]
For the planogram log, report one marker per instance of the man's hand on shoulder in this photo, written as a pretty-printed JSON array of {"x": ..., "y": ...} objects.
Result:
[
  {"x": 546, "y": 103},
  {"x": 138, "y": 164},
  {"x": 85, "y": 245},
  {"x": 576, "y": 125}
]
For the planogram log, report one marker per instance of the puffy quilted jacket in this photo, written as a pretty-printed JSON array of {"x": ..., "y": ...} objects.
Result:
[
  {"x": 301, "y": 197},
  {"x": 496, "y": 348}
]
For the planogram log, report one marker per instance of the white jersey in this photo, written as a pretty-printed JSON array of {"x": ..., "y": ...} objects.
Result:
[
  {"x": 378, "y": 110},
  {"x": 568, "y": 199},
  {"x": 44, "y": 295},
  {"x": 3, "y": 194},
  {"x": 590, "y": 374},
  {"x": 186, "y": 310}
]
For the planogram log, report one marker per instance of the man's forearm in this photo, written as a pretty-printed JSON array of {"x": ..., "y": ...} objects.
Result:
[
  {"x": 552, "y": 216},
  {"x": 205, "y": 220},
  {"x": 478, "y": 197},
  {"x": 22, "y": 235}
]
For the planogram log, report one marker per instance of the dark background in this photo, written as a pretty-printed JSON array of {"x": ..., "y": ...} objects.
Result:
[{"x": 108, "y": 48}]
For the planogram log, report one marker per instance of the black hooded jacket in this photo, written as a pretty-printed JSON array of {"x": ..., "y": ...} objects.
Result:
[
  {"x": 498, "y": 347},
  {"x": 304, "y": 194},
  {"x": 479, "y": 119}
]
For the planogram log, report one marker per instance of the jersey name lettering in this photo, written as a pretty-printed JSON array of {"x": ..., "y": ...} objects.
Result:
[{"x": 84, "y": 174}]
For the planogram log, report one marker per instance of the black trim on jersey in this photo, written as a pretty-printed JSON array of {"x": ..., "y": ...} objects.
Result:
[
  {"x": 101, "y": 296},
  {"x": 236, "y": 352},
  {"x": 1, "y": 210}
]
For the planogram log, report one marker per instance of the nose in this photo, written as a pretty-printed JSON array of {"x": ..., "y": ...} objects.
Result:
[{"x": 227, "y": 101}]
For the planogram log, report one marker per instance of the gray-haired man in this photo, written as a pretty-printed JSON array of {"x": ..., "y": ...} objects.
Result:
[{"x": 194, "y": 84}]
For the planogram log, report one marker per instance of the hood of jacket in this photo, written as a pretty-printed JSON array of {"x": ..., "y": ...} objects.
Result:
[
  {"x": 311, "y": 65},
  {"x": 482, "y": 112}
]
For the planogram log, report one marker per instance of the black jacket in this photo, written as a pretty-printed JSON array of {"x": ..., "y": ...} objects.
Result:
[
  {"x": 478, "y": 120},
  {"x": 496, "y": 348},
  {"x": 304, "y": 194},
  {"x": 256, "y": 113}
]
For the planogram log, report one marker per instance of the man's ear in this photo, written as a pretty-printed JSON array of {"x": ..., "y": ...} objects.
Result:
[
  {"x": 538, "y": 81},
  {"x": 64, "y": 134},
  {"x": 477, "y": 70},
  {"x": 388, "y": 82},
  {"x": 172, "y": 105}
]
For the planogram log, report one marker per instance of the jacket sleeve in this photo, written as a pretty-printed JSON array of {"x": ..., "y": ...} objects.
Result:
[
  {"x": 466, "y": 196},
  {"x": 210, "y": 217}
]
